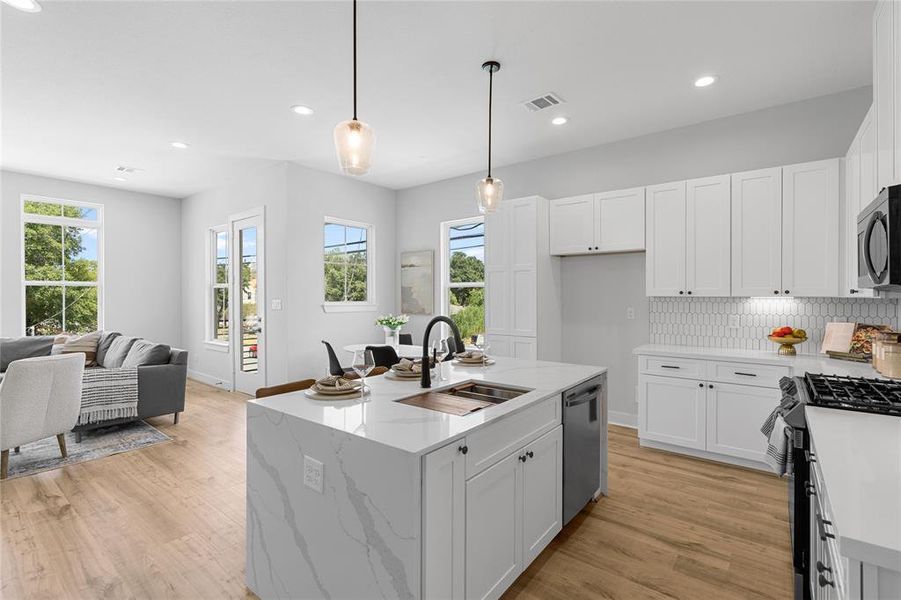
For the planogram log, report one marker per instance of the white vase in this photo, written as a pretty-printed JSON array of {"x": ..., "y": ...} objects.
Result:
[{"x": 392, "y": 337}]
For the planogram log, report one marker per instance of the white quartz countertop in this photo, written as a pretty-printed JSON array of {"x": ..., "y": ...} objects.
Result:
[
  {"x": 860, "y": 457},
  {"x": 801, "y": 363},
  {"x": 418, "y": 430}
]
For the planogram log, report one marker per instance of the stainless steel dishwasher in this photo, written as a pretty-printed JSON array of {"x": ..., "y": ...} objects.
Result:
[{"x": 582, "y": 437}]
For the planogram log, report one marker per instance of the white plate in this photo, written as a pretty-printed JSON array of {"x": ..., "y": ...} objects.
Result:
[
  {"x": 332, "y": 392},
  {"x": 396, "y": 377},
  {"x": 311, "y": 393},
  {"x": 470, "y": 363}
]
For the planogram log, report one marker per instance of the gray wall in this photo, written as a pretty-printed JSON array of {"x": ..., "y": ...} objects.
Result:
[
  {"x": 597, "y": 289},
  {"x": 296, "y": 200},
  {"x": 142, "y": 255}
]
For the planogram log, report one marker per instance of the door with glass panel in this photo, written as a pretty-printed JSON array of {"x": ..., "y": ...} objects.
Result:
[{"x": 248, "y": 308}]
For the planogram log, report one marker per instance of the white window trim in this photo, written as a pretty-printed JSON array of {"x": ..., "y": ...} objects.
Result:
[
  {"x": 63, "y": 221},
  {"x": 210, "y": 266},
  {"x": 445, "y": 283},
  {"x": 370, "y": 305}
]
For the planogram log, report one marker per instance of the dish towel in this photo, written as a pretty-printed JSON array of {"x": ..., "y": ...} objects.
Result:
[{"x": 777, "y": 434}]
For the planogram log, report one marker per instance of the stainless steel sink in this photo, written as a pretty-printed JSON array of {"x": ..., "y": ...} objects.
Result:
[{"x": 487, "y": 392}]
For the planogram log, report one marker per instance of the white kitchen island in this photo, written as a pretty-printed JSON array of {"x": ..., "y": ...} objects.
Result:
[{"x": 373, "y": 498}]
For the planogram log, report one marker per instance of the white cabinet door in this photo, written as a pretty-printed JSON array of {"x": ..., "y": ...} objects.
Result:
[
  {"x": 494, "y": 529},
  {"x": 523, "y": 216},
  {"x": 810, "y": 228},
  {"x": 884, "y": 49},
  {"x": 672, "y": 411},
  {"x": 734, "y": 416},
  {"x": 572, "y": 225},
  {"x": 525, "y": 348},
  {"x": 867, "y": 136},
  {"x": 619, "y": 224},
  {"x": 444, "y": 522},
  {"x": 542, "y": 493},
  {"x": 708, "y": 238},
  {"x": 757, "y": 233},
  {"x": 665, "y": 239},
  {"x": 497, "y": 272},
  {"x": 500, "y": 345}
]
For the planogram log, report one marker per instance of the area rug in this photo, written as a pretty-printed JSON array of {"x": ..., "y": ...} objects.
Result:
[{"x": 99, "y": 443}]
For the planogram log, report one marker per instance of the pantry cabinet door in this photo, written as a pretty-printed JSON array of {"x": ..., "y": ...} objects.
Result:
[
  {"x": 708, "y": 267},
  {"x": 665, "y": 239},
  {"x": 444, "y": 522},
  {"x": 542, "y": 493},
  {"x": 672, "y": 411},
  {"x": 572, "y": 225},
  {"x": 525, "y": 348},
  {"x": 810, "y": 228},
  {"x": 757, "y": 233},
  {"x": 500, "y": 345},
  {"x": 523, "y": 216},
  {"x": 620, "y": 222},
  {"x": 494, "y": 529},
  {"x": 734, "y": 416},
  {"x": 884, "y": 49},
  {"x": 497, "y": 272}
]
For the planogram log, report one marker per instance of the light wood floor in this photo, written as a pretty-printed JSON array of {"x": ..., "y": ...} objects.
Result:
[{"x": 168, "y": 522}]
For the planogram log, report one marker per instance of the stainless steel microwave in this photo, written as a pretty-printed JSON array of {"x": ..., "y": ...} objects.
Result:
[{"x": 879, "y": 242}]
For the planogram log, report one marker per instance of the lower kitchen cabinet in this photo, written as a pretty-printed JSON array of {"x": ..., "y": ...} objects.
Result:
[
  {"x": 672, "y": 411},
  {"x": 443, "y": 522},
  {"x": 734, "y": 416},
  {"x": 513, "y": 346},
  {"x": 542, "y": 493}
]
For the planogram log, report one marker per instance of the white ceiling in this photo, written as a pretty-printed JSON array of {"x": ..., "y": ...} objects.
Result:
[{"x": 88, "y": 86}]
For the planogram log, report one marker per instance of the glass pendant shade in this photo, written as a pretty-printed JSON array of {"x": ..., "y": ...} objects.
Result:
[
  {"x": 491, "y": 192},
  {"x": 354, "y": 141}
]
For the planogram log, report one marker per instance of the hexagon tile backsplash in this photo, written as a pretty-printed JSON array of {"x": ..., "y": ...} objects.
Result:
[{"x": 705, "y": 321}]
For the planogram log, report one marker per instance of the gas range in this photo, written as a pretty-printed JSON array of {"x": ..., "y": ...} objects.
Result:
[{"x": 877, "y": 396}]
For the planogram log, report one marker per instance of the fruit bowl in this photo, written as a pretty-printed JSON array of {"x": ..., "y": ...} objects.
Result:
[{"x": 787, "y": 343}]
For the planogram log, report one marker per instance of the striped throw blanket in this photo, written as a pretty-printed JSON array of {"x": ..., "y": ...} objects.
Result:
[{"x": 108, "y": 394}]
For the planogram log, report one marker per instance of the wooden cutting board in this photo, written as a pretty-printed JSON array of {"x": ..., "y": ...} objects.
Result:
[{"x": 446, "y": 403}]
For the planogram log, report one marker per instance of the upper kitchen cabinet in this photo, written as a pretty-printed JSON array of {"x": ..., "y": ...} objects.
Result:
[
  {"x": 859, "y": 183},
  {"x": 757, "y": 232},
  {"x": 810, "y": 228},
  {"x": 886, "y": 47},
  {"x": 688, "y": 235},
  {"x": 598, "y": 223},
  {"x": 522, "y": 282}
]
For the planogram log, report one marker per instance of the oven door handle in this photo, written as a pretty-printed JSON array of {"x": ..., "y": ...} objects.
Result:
[{"x": 877, "y": 215}]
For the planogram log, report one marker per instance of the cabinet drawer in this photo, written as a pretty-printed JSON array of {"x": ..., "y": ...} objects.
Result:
[
  {"x": 747, "y": 374},
  {"x": 673, "y": 367},
  {"x": 495, "y": 441}
]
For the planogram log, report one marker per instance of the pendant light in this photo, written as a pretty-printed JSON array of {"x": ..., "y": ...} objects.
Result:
[
  {"x": 490, "y": 189},
  {"x": 354, "y": 139}
]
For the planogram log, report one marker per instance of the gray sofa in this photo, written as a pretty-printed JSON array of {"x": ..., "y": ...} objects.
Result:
[{"x": 161, "y": 387}]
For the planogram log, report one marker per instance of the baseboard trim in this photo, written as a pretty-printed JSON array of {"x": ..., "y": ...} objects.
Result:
[
  {"x": 704, "y": 455},
  {"x": 209, "y": 380},
  {"x": 624, "y": 419}
]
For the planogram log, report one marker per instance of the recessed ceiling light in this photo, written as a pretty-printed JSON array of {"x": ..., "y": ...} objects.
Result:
[
  {"x": 705, "y": 81},
  {"x": 302, "y": 110},
  {"x": 24, "y": 5},
  {"x": 179, "y": 145},
  {"x": 559, "y": 120},
  {"x": 120, "y": 179}
]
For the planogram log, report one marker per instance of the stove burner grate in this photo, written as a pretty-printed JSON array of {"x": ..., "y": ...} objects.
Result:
[{"x": 880, "y": 396}]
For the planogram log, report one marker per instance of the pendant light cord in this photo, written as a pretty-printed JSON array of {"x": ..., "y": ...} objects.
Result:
[
  {"x": 355, "y": 60},
  {"x": 490, "y": 92}
]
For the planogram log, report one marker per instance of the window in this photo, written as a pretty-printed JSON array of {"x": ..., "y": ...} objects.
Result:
[
  {"x": 218, "y": 274},
  {"x": 463, "y": 275},
  {"x": 61, "y": 268},
  {"x": 347, "y": 264}
]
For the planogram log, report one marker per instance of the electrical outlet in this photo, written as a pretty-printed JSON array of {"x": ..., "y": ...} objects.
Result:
[
  {"x": 276, "y": 304},
  {"x": 630, "y": 313},
  {"x": 312, "y": 473},
  {"x": 733, "y": 322}
]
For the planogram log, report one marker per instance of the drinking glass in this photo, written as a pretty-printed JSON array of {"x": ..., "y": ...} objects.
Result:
[
  {"x": 363, "y": 365},
  {"x": 440, "y": 350},
  {"x": 483, "y": 346}
]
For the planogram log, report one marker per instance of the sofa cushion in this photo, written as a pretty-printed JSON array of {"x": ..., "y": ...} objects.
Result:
[
  {"x": 106, "y": 338},
  {"x": 24, "y": 347},
  {"x": 145, "y": 353},
  {"x": 117, "y": 352},
  {"x": 86, "y": 343}
]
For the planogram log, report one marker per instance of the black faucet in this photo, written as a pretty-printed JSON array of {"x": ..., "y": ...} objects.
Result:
[{"x": 426, "y": 379}]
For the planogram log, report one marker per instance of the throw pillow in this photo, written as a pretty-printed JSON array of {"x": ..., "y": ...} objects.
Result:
[
  {"x": 145, "y": 353},
  {"x": 106, "y": 338},
  {"x": 24, "y": 347},
  {"x": 86, "y": 344},
  {"x": 117, "y": 352}
]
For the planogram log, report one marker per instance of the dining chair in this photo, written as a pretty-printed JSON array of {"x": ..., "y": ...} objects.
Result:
[
  {"x": 284, "y": 388},
  {"x": 384, "y": 356},
  {"x": 406, "y": 339},
  {"x": 452, "y": 347},
  {"x": 334, "y": 367}
]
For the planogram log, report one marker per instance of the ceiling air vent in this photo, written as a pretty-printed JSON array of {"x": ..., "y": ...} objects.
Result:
[
  {"x": 124, "y": 169},
  {"x": 548, "y": 100}
]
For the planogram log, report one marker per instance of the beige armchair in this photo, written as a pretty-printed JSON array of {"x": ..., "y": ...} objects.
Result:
[{"x": 39, "y": 397}]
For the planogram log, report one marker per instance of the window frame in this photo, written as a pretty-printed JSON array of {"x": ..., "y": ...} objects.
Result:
[
  {"x": 368, "y": 305},
  {"x": 98, "y": 224},
  {"x": 446, "y": 284},
  {"x": 211, "y": 285}
]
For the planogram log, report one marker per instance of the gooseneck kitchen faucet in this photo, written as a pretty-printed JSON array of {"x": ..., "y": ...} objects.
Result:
[{"x": 426, "y": 379}]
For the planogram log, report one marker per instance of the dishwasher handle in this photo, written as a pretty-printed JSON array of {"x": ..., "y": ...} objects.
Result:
[{"x": 589, "y": 395}]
